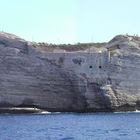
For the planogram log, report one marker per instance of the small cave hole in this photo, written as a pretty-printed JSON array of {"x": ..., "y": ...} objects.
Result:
[
  {"x": 100, "y": 67},
  {"x": 90, "y": 67}
]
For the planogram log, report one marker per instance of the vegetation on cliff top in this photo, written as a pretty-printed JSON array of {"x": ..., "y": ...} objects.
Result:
[{"x": 69, "y": 47}]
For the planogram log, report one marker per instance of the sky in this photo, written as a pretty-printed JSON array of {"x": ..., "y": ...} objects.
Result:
[{"x": 69, "y": 21}]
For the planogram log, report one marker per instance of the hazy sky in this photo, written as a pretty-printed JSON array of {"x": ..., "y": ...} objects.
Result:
[{"x": 69, "y": 21}]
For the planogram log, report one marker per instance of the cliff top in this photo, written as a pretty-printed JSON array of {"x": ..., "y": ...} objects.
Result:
[
  {"x": 115, "y": 43},
  {"x": 9, "y": 36}
]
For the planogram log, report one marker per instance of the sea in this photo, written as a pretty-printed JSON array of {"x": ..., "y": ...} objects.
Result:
[{"x": 70, "y": 126}]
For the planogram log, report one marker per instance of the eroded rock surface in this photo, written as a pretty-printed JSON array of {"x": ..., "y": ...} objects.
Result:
[{"x": 101, "y": 80}]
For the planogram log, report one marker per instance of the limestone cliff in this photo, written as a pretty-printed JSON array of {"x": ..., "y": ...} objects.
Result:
[{"x": 104, "y": 78}]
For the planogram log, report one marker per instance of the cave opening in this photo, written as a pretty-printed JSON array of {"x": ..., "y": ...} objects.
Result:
[{"x": 90, "y": 67}]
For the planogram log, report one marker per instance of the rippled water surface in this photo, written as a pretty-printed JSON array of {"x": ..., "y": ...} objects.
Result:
[{"x": 95, "y": 126}]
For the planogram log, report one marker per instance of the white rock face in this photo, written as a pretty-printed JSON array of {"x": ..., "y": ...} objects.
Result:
[
  {"x": 124, "y": 71},
  {"x": 103, "y": 80}
]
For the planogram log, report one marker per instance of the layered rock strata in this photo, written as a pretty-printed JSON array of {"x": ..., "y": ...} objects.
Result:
[{"x": 96, "y": 79}]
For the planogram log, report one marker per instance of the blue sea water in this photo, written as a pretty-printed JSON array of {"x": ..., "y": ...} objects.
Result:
[{"x": 68, "y": 126}]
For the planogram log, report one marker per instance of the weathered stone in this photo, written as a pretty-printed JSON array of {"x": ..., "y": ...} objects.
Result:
[{"x": 105, "y": 79}]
